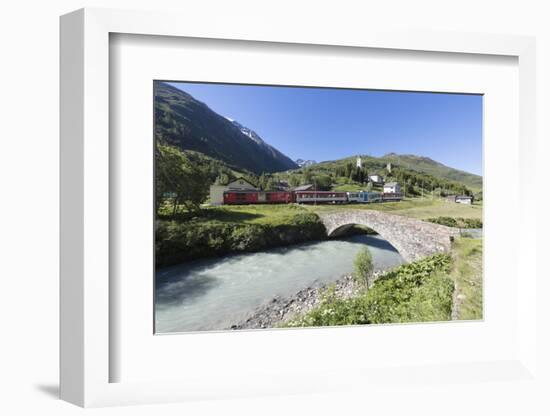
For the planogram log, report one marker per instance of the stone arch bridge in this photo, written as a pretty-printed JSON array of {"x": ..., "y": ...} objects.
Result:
[{"x": 412, "y": 238}]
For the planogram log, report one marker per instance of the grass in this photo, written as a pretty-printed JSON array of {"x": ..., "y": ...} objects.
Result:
[
  {"x": 256, "y": 214},
  {"x": 348, "y": 187},
  {"x": 242, "y": 214},
  {"x": 420, "y": 208},
  {"x": 467, "y": 273},
  {"x": 457, "y": 222},
  {"x": 417, "y": 292},
  {"x": 437, "y": 288},
  {"x": 354, "y": 187},
  {"x": 218, "y": 231}
]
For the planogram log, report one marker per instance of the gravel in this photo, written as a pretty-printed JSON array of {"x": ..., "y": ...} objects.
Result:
[{"x": 279, "y": 309}]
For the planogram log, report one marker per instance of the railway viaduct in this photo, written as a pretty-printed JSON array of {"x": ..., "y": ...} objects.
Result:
[{"x": 412, "y": 238}]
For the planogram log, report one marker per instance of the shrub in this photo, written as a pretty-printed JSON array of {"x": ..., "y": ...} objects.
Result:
[
  {"x": 207, "y": 236},
  {"x": 457, "y": 222},
  {"x": 363, "y": 265},
  {"x": 415, "y": 292}
]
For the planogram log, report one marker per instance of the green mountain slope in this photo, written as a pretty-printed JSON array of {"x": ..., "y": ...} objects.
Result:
[
  {"x": 188, "y": 124},
  {"x": 431, "y": 167},
  {"x": 416, "y": 174}
]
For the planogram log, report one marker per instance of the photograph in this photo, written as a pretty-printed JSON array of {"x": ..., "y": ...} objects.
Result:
[{"x": 283, "y": 207}]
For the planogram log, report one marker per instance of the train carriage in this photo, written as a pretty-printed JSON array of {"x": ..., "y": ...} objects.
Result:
[
  {"x": 240, "y": 197},
  {"x": 244, "y": 197},
  {"x": 392, "y": 196},
  {"x": 256, "y": 197},
  {"x": 279, "y": 197},
  {"x": 355, "y": 196},
  {"x": 320, "y": 197},
  {"x": 363, "y": 197},
  {"x": 372, "y": 197}
]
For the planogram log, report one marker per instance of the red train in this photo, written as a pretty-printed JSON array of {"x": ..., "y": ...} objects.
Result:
[
  {"x": 257, "y": 197},
  {"x": 304, "y": 197}
]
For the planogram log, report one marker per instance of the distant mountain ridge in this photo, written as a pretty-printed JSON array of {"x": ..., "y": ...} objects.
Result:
[
  {"x": 189, "y": 124},
  {"x": 305, "y": 163},
  {"x": 431, "y": 167},
  {"x": 420, "y": 164}
]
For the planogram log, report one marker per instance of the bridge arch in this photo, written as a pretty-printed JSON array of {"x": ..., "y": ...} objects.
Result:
[{"x": 412, "y": 238}]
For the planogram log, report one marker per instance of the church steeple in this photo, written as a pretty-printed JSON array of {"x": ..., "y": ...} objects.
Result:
[{"x": 359, "y": 163}]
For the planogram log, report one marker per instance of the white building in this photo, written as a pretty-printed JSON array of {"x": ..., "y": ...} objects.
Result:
[
  {"x": 240, "y": 184},
  {"x": 376, "y": 179},
  {"x": 392, "y": 188},
  {"x": 359, "y": 162},
  {"x": 464, "y": 199},
  {"x": 308, "y": 187}
]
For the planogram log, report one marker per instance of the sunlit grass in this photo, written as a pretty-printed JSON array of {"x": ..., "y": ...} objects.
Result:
[
  {"x": 417, "y": 292},
  {"x": 420, "y": 208},
  {"x": 467, "y": 273}
]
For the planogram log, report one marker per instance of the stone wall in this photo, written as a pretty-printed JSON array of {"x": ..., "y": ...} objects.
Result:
[{"x": 414, "y": 239}]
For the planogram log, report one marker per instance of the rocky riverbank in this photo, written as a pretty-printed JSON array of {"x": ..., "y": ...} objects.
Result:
[{"x": 279, "y": 310}]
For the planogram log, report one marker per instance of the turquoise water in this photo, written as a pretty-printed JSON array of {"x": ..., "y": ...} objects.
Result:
[{"x": 214, "y": 294}]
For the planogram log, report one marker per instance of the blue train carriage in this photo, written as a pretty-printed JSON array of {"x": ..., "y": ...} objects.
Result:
[
  {"x": 355, "y": 196},
  {"x": 373, "y": 197},
  {"x": 363, "y": 197}
]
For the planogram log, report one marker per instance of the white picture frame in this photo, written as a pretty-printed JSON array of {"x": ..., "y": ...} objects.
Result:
[{"x": 87, "y": 355}]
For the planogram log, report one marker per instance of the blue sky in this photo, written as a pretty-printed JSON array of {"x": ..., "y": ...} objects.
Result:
[{"x": 327, "y": 124}]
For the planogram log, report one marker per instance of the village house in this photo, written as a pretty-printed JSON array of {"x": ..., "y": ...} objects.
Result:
[
  {"x": 308, "y": 187},
  {"x": 281, "y": 185},
  {"x": 239, "y": 184},
  {"x": 376, "y": 179},
  {"x": 464, "y": 199},
  {"x": 392, "y": 188},
  {"x": 461, "y": 199}
]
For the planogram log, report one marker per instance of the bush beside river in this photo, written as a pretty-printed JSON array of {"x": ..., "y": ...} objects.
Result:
[
  {"x": 437, "y": 288},
  {"x": 416, "y": 292},
  {"x": 220, "y": 231}
]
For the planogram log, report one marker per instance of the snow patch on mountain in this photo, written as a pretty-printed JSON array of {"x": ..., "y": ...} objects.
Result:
[{"x": 305, "y": 163}]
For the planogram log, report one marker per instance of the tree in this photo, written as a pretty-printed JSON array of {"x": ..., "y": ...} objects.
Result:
[
  {"x": 348, "y": 170},
  {"x": 323, "y": 182},
  {"x": 270, "y": 185},
  {"x": 262, "y": 181},
  {"x": 360, "y": 175},
  {"x": 250, "y": 177},
  {"x": 352, "y": 176},
  {"x": 307, "y": 178},
  {"x": 478, "y": 196},
  {"x": 409, "y": 189},
  {"x": 222, "y": 179},
  {"x": 180, "y": 179},
  {"x": 294, "y": 180},
  {"x": 363, "y": 265}
]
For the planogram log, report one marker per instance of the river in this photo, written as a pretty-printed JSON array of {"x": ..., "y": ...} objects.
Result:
[{"x": 214, "y": 294}]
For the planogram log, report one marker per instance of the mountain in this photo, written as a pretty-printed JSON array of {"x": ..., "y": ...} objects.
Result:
[
  {"x": 431, "y": 167},
  {"x": 305, "y": 163},
  {"x": 442, "y": 176},
  {"x": 189, "y": 124}
]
